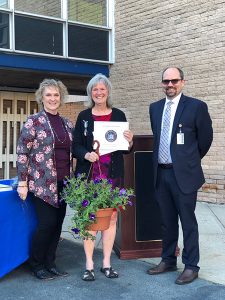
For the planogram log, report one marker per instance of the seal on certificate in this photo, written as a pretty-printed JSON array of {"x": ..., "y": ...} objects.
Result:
[{"x": 110, "y": 135}]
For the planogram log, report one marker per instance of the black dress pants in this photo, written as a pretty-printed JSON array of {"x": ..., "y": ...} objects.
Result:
[
  {"x": 47, "y": 234},
  {"x": 174, "y": 205}
]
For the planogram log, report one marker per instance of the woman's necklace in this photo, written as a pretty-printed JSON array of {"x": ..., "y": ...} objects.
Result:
[{"x": 64, "y": 131}]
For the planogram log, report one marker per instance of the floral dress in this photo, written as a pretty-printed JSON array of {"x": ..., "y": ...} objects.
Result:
[{"x": 36, "y": 159}]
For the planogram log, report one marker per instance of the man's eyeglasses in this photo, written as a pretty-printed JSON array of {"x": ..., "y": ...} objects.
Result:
[{"x": 173, "y": 81}]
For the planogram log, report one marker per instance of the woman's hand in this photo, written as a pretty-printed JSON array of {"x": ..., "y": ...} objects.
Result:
[
  {"x": 22, "y": 190},
  {"x": 129, "y": 137},
  {"x": 91, "y": 156}
]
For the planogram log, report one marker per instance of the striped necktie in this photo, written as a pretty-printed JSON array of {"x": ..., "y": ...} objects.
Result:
[{"x": 164, "y": 145}]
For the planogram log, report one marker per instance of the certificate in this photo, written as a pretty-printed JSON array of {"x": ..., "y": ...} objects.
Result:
[{"x": 110, "y": 136}]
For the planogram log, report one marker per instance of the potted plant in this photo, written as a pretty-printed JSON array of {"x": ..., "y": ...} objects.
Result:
[{"x": 87, "y": 197}]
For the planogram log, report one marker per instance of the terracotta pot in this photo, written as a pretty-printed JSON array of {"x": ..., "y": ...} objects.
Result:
[{"x": 103, "y": 217}]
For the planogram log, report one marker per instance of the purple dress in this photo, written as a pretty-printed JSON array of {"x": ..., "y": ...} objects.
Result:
[{"x": 104, "y": 160}]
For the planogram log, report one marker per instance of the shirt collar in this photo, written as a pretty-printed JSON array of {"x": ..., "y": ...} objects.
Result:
[{"x": 175, "y": 100}]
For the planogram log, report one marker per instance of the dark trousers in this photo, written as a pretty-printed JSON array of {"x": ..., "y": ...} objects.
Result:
[
  {"x": 47, "y": 234},
  {"x": 173, "y": 205}
]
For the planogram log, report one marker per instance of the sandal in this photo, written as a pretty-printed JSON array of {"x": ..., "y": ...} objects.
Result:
[
  {"x": 109, "y": 272},
  {"x": 89, "y": 275}
]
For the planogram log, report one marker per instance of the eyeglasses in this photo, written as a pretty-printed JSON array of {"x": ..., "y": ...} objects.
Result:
[{"x": 173, "y": 81}]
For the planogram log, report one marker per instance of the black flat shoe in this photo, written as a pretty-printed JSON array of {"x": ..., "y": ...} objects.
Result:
[
  {"x": 109, "y": 272},
  {"x": 89, "y": 275},
  {"x": 43, "y": 275},
  {"x": 57, "y": 272}
]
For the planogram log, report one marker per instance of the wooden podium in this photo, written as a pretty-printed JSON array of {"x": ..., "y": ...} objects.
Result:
[{"x": 139, "y": 227}]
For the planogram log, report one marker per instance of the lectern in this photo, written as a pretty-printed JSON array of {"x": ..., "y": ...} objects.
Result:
[{"x": 139, "y": 226}]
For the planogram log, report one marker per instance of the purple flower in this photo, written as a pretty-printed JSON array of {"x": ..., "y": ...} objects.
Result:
[
  {"x": 85, "y": 203},
  {"x": 75, "y": 230},
  {"x": 97, "y": 180},
  {"x": 65, "y": 182},
  {"x": 79, "y": 175},
  {"x": 91, "y": 216},
  {"x": 129, "y": 202},
  {"x": 109, "y": 181},
  {"x": 61, "y": 201},
  {"x": 123, "y": 192},
  {"x": 95, "y": 195}
]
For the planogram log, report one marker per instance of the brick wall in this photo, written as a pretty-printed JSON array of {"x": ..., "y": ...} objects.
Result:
[
  {"x": 71, "y": 110},
  {"x": 151, "y": 35}
]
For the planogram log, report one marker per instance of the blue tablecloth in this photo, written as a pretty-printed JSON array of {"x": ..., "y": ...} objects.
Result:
[{"x": 17, "y": 224}]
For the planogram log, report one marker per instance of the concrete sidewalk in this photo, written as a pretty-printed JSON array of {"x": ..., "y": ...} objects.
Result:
[
  {"x": 211, "y": 221},
  {"x": 133, "y": 282}
]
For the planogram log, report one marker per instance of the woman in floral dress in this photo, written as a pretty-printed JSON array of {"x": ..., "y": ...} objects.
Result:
[{"x": 44, "y": 160}]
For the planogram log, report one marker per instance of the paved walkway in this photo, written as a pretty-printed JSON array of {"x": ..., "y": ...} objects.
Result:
[
  {"x": 133, "y": 282},
  {"x": 211, "y": 220}
]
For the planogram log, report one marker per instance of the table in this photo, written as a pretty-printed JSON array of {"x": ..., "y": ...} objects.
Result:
[{"x": 17, "y": 224}]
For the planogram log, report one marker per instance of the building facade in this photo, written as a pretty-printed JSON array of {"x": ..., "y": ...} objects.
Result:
[
  {"x": 152, "y": 35},
  {"x": 130, "y": 41},
  {"x": 70, "y": 40}
]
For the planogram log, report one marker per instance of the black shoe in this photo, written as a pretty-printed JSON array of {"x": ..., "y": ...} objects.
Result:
[
  {"x": 109, "y": 272},
  {"x": 43, "y": 274},
  {"x": 89, "y": 275},
  {"x": 57, "y": 272}
]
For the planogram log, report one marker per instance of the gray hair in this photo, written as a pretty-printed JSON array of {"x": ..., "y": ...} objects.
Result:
[
  {"x": 99, "y": 78},
  {"x": 51, "y": 83}
]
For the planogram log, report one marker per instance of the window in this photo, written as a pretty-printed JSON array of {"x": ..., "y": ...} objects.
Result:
[
  {"x": 51, "y": 8},
  {"x": 3, "y": 4},
  {"x": 87, "y": 42},
  {"x": 88, "y": 11},
  {"x": 75, "y": 29},
  {"x": 4, "y": 30},
  {"x": 40, "y": 36}
]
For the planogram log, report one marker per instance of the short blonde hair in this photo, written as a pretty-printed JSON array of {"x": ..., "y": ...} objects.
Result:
[{"x": 51, "y": 83}]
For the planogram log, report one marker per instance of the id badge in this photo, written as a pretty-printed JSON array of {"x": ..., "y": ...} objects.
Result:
[{"x": 180, "y": 138}]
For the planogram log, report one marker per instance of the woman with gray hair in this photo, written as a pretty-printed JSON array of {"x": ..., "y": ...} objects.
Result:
[
  {"x": 44, "y": 160},
  {"x": 111, "y": 164}
]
